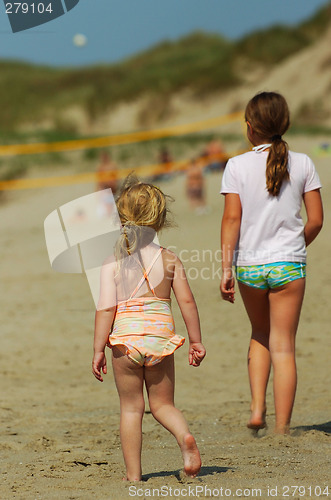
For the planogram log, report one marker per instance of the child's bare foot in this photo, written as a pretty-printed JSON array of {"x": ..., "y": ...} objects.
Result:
[
  {"x": 191, "y": 456},
  {"x": 257, "y": 420},
  {"x": 133, "y": 475}
]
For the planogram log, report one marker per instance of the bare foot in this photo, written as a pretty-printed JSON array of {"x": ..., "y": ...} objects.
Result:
[
  {"x": 257, "y": 420},
  {"x": 191, "y": 456},
  {"x": 127, "y": 479}
]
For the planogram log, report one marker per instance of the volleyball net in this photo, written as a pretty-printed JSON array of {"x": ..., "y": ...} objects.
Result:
[{"x": 165, "y": 167}]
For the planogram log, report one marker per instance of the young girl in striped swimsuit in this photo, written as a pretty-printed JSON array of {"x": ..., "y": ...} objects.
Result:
[{"x": 139, "y": 279}]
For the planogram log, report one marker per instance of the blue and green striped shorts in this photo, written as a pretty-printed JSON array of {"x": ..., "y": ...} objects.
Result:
[{"x": 270, "y": 275}]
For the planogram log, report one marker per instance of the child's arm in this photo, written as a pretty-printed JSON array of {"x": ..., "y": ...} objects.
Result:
[
  {"x": 103, "y": 322},
  {"x": 189, "y": 312},
  {"x": 314, "y": 209},
  {"x": 229, "y": 236},
  {"x": 104, "y": 318}
]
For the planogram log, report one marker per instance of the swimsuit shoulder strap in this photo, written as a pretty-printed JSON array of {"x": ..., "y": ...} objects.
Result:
[{"x": 146, "y": 273}]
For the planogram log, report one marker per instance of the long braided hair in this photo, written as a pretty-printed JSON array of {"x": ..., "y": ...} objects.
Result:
[{"x": 269, "y": 117}]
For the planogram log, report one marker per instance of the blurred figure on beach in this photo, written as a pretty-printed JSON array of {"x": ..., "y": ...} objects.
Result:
[
  {"x": 196, "y": 187},
  {"x": 215, "y": 156},
  {"x": 165, "y": 161},
  {"x": 107, "y": 178},
  {"x": 264, "y": 236}
]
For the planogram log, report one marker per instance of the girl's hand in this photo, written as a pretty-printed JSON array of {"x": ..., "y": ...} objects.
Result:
[
  {"x": 196, "y": 353},
  {"x": 99, "y": 364},
  {"x": 227, "y": 285}
]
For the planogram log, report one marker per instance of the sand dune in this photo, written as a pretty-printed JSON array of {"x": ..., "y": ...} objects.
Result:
[{"x": 304, "y": 78}]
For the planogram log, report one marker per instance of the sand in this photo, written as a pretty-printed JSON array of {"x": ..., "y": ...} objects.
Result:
[{"x": 60, "y": 437}]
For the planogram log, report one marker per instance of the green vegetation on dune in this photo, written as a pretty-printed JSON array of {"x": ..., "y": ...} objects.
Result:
[
  {"x": 272, "y": 45},
  {"x": 202, "y": 62},
  {"x": 192, "y": 61}
]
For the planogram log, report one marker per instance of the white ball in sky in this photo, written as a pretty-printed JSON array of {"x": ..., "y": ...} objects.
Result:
[{"x": 79, "y": 40}]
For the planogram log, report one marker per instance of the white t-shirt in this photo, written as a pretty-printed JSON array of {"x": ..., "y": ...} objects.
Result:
[{"x": 272, "y": 229}]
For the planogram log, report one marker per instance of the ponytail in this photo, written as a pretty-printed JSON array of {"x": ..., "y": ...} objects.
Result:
[
  {"x": 276, "y": 171},
  {"x": 143, "y": 211},
  {"x": 131, "y": 239},
  {"x": 128, "y": 240},
  {"x": 269, "y": 118}
]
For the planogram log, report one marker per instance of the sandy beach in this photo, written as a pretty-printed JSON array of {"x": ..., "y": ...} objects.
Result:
[{"x": 60, "y": 438}]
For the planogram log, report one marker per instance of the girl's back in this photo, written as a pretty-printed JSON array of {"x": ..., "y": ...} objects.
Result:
[
  {"x": 148, "y": 272},
  {"x": 271, "y": 227}
]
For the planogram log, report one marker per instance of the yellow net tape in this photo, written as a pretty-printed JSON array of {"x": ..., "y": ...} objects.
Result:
[
  {"x": 93, "y": 177},
  {"x": 115, "y": 140}
]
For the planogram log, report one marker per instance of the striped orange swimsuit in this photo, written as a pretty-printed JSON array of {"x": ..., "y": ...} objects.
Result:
[{"x": 144, "y": 327}]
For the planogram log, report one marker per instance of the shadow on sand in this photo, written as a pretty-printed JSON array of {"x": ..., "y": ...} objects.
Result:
[
  {"x": 326, "y": 428},
  {"x": 204, "y": 471}
]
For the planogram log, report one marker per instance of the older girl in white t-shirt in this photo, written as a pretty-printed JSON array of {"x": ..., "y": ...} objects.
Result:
[{"x": 264, "y": 236}]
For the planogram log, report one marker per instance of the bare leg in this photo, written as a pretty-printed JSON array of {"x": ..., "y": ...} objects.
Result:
[
  {"x": 129, "y": 378},
  {"x": 285, "y": 308},
  {"x": 257, "y": 306},
  {"x": 160, "y": 384}
]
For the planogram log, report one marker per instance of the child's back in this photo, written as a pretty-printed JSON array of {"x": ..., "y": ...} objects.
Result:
[{"x": 129, "y": 275}]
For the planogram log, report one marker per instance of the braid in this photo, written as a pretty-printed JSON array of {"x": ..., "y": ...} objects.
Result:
[
  {"x": 276, "y": 171},
  {"x": 268, "y": 115}
]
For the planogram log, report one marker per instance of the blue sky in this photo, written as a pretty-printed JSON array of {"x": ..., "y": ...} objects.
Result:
[{"x": 116, "y": 29}]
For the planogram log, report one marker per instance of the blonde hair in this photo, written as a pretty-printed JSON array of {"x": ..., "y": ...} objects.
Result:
[
  {"x": 269, "y": 117},
  {"x": 143, "y": 210}
]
